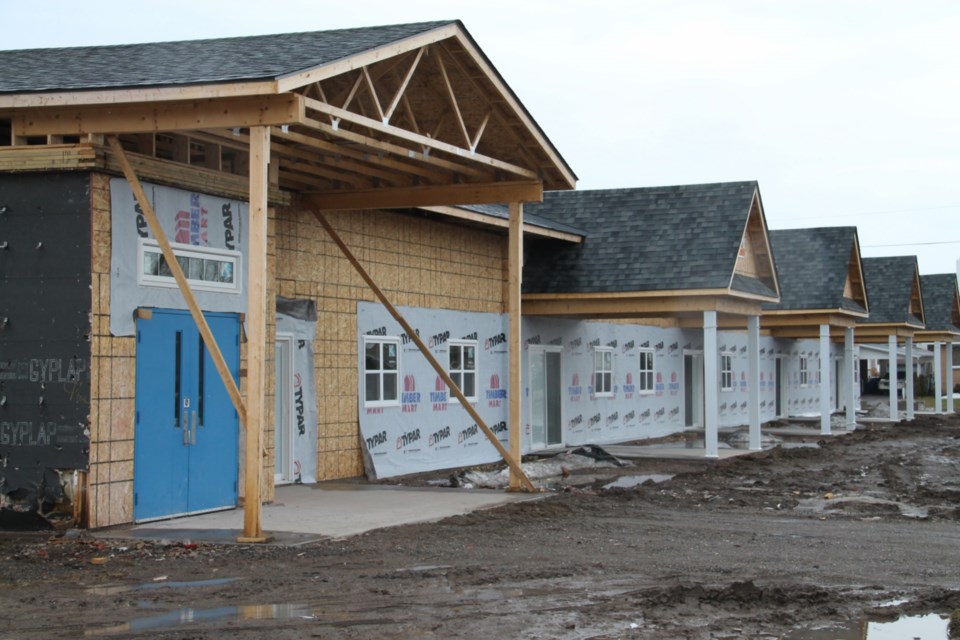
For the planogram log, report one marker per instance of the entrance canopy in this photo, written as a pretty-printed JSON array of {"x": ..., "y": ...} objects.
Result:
[
  {"x": 896, "y": 300},
  {"x": 659, "y": 252},
  {"x": 393, "y": 116},
  {"x": 821, "y": 275}
]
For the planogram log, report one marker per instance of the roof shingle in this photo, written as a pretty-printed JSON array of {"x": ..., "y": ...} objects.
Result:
[
  {"x": 939, "y": 298},
  {"x": 889, "y": 282}
]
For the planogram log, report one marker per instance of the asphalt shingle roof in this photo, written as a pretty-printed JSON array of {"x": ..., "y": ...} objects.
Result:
[
  {"x": 889, "y": 283},
  {"x": 812, "y": 267},
  {"x": 643, "y": 239},
  {"x": 939, "y": 296},
  {"x": 191, "y": 61},
  {"x": 502, "y": 212}
]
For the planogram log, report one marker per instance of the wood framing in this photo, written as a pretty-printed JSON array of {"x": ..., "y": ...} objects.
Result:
[
  {"x": 515, "y": 338},
  {"x": 636, "y": 306},
  {"x": 461, "y": 213},
  {"x": 398, "y": 198}
]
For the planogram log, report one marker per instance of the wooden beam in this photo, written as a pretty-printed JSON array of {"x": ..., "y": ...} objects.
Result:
[
  {"x": 513, "y": 463},
  {"x": 174, "y": 265},
  {"x": 416, "y": 138},
  {"x": 424, "y": 196},
  {"x": 400, "y": 92},
  {"x": 637, "y": 307},
  {"x": 127, "y": 96},
  {"x": 452, "y": 98},
  {"x": 515, "y": 337},
  {"x": 256, "y": 333},
  {"x": 373, "y": 94},
  {"x": 169, "y": 116}
]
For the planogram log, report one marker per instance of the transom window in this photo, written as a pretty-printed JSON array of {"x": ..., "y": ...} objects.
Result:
[
  {"x": 463, "y": 367},
  {"x": 603, "y": 371},
  {"x": 381, "y": 371},
  {"x": 646, "y": 371},
  {"x": 205, "y": 268},
  {"x": 804, "y": 371},
  {"x": 726, "y": 372}
]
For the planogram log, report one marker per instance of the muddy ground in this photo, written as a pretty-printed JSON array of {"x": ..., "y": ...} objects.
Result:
[{"x": 747, "y": 547}]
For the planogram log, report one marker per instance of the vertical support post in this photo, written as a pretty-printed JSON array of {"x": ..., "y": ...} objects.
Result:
[
  {"x": 711, "y": 385},
  {"x": 892, "y": 373},
  {"x": 937, "y": 376},
  {"x": 849, "y": 387},
  {"x": 256, "y": 333},
  {"x": 825, "y": 383},
  {"x": 909, "y": 395},
  {"x": 949, "y": 408},
  {"x": 515, "y": 395},
  {"x": 753, "y": 376}
]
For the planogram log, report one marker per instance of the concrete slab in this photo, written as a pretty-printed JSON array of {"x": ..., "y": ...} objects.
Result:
[
  {"x": 629, "y": 452},
  {"x": 303, "y": 513},
  {"x": 802, "y": 432}
]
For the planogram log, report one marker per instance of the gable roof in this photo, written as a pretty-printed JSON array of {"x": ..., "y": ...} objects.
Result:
[
  {"x": 646, "y": 239},
  {"x": 189, "y": 62},
  {"x": 941, "y": 302},
  {"x": 814, "y": 265},
  {"x": 894, "y": 286}
]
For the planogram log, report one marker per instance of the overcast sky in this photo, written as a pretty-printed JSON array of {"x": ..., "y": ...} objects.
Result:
[{"x": 847, "y": 112}]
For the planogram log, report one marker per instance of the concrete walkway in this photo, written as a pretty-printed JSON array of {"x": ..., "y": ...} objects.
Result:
[{"x": 304, "y": 513}]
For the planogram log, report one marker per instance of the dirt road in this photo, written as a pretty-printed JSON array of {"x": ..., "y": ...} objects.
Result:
[{"x": 747, "y": 547}]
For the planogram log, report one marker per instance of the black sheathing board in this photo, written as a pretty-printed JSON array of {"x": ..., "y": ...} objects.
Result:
[{"x": 45, "y": 307}]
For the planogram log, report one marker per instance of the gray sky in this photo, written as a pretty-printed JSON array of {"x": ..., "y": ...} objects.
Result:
[{"x": 846, "y": 111}]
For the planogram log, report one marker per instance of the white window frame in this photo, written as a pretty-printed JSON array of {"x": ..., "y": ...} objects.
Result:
[
  {"x": 648, "y": 373},
  {"x": 606, "y": 392},
  {"x": 380, "y": 402},
  {"x": 452, "y": 344},
  {"x": 804, "y": 372},
  {"x": 146, "y": 245},
  {"x": 726, "y": 372}
]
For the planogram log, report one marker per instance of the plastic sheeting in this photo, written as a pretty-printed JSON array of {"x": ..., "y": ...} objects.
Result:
[{"x": 299, "y": 319}]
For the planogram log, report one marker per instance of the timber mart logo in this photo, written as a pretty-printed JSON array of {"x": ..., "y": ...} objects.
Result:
[
  {"x": 191, "y": 226},
  {"x": 674, "y": 384},
  {"x": 658, "y": 385},
  {"x": 494, "y": 341},
  {"x": 743, "y": 381},
  {"x": 410, "y": 398},
  {"x": 575, "y": 390},
  {"x": 439, "y": 436},
  {"x": 438, "y": 397},
  {"x": 628, "y": 386},
  {"x": 495, "y": 395}
]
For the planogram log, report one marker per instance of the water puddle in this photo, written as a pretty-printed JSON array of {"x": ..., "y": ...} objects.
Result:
[
  {"x": 628, "y": 482},
  {"x": 927, "y": 627},
  {"x": 797, "y": 445},
  {"x": 113, "y": 589},
  {"x": 179, "y": 617}
]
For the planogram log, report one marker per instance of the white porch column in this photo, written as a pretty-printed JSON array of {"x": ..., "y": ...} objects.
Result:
[
  {"x": 892, "y": 372},
  {"x": 949, "y": 398},
  {"x": 711, "y": 385},
  {"x": 850, "y": 386},
  {"x": 937, "y": 376},
  {"x": 753, "y": 377},
  {"x": 825, "y": 408},
  {"x": 908, "y": 391}
]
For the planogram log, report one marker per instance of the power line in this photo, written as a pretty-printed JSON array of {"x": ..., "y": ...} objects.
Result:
[
  {"x": 863, "y": 214},
  {"x": 911, "y": 244}
]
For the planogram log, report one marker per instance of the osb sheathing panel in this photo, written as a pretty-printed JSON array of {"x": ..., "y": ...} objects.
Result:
[{"x": 416, "y": 261}]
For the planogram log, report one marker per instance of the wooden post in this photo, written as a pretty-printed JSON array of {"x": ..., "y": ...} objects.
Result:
[
  {"x": 515, "y": 390},
  {"x": 513, "y": 463},
  {"x": 256, "y": 333},
  {"x": 161, "y": 237}
]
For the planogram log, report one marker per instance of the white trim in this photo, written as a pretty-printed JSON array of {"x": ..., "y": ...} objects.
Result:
[
  {"x": 476, "y": 356},
  {"x": 381, "y": 340},
  {"x": 286, "y": 476},
  {"x": 726, "y": 373},
  {"x": 804, "y": 372},
  {"x": 652, "y": 371},
  {"x": 603, "y": 371},
  {"x": 189, "y": 251}
]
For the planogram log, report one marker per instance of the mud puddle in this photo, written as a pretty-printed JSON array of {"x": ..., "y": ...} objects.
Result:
[
  {"x": 931, "y": 626},
  {"x": 114, "y": 589},
  {"x": 628, "y": 482},
  {"x": 179, "y": 617}
]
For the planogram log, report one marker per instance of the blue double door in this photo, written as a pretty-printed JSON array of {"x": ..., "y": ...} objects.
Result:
[{"x": 186, "y": 435}]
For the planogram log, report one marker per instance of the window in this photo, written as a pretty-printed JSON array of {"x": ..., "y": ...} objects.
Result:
[
  {"x": 804, "y": 372},
  {"x": 463, "y": 367},
  {"x": 381, "y": 371},
  {"x": 603, "y": 371},
  {"x": 205, "y": 268},
  {"x": 726, "y": 372},
  {"x": 646, "y": 371}
]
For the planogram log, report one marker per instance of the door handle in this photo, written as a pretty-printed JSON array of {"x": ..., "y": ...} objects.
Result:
[
  {"x": 193, "y": 427},
  {"x": 186, "y": 428}
]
